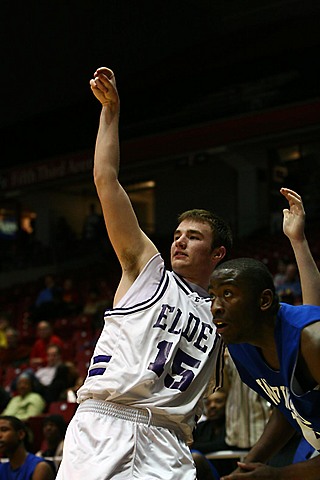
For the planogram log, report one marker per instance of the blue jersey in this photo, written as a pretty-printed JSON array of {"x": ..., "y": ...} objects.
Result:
[
  {"x": 24, "y": 472},
  {"x": 280, "y": 387}
]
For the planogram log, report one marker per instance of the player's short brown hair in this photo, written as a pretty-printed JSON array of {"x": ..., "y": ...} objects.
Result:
[{"x": 221, "y": 231}]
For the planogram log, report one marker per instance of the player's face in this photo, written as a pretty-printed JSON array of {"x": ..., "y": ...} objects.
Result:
[
  {"x": 43, "y": 330},
  {"x": 233, "y": 307},
  {"x": 191, "y": 250},
  {"x": 9, "y": 438},
  {"x": 51, "y": 431},
  {"x": 53, "y": 356},
  {"x": 216, "y": 405},
  {"x": 24, "y": 386}
]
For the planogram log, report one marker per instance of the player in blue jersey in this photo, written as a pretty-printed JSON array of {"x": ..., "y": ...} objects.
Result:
[
  {"x": 21, "y": 464},
  {"x": 276, "y": 348},
  {"x": 158, "y": 354}
]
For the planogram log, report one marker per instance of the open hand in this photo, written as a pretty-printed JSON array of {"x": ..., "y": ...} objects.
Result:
[{"x": 294, "y": 216}]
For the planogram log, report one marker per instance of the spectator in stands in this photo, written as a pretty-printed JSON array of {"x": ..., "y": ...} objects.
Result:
[
  {"x": 54, "y": 429},
  {"x": 92, "y": 303},
  {"x": 13, "y": 445},
  {"x": 209, "y": 436},
  {"x": 94, "y": 306},
  {"x": 48, "y": 302},
  {"x": 54, "y": 377},
  {"x": 4, "y": 324},
  {"x": 70, "y": 298},
  {"x": 27, "y": 403},
  {"x": 16, "y": 353},
  {"x": 289, "y": 291},
  {"x": 280, "y": 275},
  {"x": 46, "y": 337},
  {"x": 92, "y": 226}
]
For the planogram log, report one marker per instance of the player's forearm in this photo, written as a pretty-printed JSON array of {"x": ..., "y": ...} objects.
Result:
[
  {"x": 263, "y": 450},
  {"x": 132, "y": 247},
  {"x": 309, "y": 273},
  {"x": 106, "y": 159},
  {"x": 308, "y": 470},
  {"x": 276, "y": 434}
]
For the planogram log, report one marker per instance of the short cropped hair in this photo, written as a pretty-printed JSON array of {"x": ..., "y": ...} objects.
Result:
[
  {"x": 15, "y": 422},
  {"x": 255, "y": 275},
  {"x": 221, "y": 231},
  {"x": 17, "y": 425}
]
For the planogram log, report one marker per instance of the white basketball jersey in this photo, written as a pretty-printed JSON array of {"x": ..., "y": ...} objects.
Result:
[{"x": 161, "y": 353}]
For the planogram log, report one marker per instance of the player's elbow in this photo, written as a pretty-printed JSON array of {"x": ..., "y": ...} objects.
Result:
[{"x": 106, "y": 177}]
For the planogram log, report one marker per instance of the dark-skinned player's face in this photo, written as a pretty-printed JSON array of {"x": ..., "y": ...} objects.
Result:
[
  {"x": 234, "y": 307},
  {"x": 9, "y": 438}
]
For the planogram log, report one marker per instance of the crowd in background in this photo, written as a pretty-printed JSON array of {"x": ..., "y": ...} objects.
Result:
[{"x": 48, "y": 330}]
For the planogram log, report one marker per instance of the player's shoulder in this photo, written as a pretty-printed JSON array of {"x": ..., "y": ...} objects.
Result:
[{"x": 43, "y": 471}]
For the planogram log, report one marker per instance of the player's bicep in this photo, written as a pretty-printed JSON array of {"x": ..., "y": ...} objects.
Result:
[
  {"x": 43, "y": 471},
  {"x": 130, "y": 243}
]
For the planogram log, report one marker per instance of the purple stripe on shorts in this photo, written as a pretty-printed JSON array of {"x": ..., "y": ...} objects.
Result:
[
  {"x": 102, "y": 358},
  {"x": 96, "y": 371}
]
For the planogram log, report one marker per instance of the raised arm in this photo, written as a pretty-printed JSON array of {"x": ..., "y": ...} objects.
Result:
[
  {"x": 132, "y": 247},
  {"x": 293, "y": 227}
]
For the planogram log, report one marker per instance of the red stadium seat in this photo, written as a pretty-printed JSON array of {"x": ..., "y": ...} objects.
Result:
[{"x": 66, "y": 409}]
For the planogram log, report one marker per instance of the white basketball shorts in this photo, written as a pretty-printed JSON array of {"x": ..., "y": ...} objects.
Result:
[{"x": 108, "y": 441}]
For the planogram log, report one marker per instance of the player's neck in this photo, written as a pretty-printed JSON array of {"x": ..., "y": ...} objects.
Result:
[
  {"x": 270, "y": 355},
  {"x": 18, "y": 457}
]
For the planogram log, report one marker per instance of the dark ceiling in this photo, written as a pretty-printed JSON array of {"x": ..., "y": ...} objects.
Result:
[{"x": 176, "y": 62}]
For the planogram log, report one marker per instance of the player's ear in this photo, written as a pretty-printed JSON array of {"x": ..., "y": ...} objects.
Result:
[
  {"x": 21, "y": 434},
  {"x": 218, "y": 254},
  {"x": 266, "y": 299}
]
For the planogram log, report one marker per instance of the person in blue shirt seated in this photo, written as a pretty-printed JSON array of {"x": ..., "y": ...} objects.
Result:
[
  {"x": 21, "y": 463},
  {"x": 209, "y": 436}
]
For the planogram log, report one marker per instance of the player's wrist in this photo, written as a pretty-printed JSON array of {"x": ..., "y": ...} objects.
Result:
[{"x": 298, "y": 242}]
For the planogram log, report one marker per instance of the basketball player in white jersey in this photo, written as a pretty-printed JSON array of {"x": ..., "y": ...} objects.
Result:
[{"x": 158, "y": 353}]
